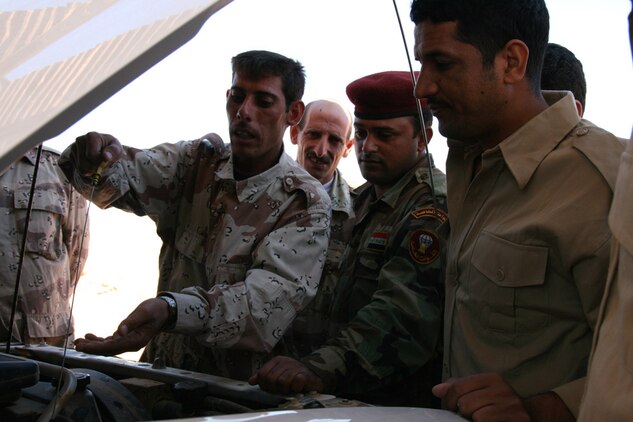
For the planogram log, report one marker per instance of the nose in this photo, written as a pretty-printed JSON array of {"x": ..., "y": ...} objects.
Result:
[
  {"x": 425, "y": 86},
  {"x": 244, "y": 110},
  {"x": 320, "y": 149},
  {"x": 369, "y": 145}
]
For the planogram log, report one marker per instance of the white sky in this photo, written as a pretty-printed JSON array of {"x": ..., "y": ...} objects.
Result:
[{"x": 337, "y": 41}]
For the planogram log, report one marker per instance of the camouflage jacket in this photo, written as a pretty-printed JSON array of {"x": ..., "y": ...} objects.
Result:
[
  {"x": 386, "y": 313},
  {"x": 245, "y": 255},
  {"x": 53, "y": 248},
  {"x": 310, "y": 329}
]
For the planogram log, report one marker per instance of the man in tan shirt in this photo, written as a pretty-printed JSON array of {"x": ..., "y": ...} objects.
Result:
[
  {"x": 529, "y": 189},
  {"x": 609, "y": 393}
]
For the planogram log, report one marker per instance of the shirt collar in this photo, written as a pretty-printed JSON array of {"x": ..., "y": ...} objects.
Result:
[
  {"x": 249, "y": 188},
  {"x": 526, "y": 148},
  {"x": 420, "y": 171},
  {"x": 340, "y": 195}
]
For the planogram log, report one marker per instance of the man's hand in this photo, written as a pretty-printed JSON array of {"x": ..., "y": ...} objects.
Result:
[
  {"x": 284, "y": 375},
  {"x": 93, "y": 149},
  {"x": 482, "y": 397},
  {"x": 133, "y": 333}
]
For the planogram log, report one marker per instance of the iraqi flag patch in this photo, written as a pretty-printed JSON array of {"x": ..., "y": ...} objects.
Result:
[{"x": 378, "y": 241}]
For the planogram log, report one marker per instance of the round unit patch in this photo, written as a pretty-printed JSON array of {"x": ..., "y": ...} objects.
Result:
[{"x": 424, "y": 246}]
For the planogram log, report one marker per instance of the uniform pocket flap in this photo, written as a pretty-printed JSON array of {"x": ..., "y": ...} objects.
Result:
[
  {"x": 43, "y": 200},
  {"x": 509, "y": 264}
]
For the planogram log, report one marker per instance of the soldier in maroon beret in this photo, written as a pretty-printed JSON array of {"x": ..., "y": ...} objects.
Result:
[{"x": 386, "y": 310}]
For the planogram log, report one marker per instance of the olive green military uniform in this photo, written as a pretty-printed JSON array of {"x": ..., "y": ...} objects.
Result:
[
  {"x": 310, "y": 329},
  {"x": 386, "y": 314},
  {"x": 528, "y": 252}
]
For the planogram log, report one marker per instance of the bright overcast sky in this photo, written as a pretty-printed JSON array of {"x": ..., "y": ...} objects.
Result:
[{"x": 337, "y": 41}]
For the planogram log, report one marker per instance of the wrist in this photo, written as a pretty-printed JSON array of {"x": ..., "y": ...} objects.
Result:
[{"x": 172, "y": 311}]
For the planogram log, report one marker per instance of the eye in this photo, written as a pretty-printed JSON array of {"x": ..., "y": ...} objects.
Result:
[
  {"x": 312, "y": 134},
  {"x": 385, "y": 135},
  {"x": 360, "y": 134},
  {"x": 265, "y": 101},
  {"x": 236, "y": 96}
]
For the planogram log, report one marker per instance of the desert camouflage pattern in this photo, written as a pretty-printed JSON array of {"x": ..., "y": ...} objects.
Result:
[
  {"x": 310, "y": 329},
  {"x": 386, "y": 313},
  {"x": 241, "y": 257},
  {"x": 54, "y": 252}
]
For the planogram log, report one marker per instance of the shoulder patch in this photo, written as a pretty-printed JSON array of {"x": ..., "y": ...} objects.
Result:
[
  {"x": 424, "y": 246},
  {"x": 436, "y": 213}
]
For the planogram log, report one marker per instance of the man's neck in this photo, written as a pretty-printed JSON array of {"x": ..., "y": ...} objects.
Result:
[{"x": 246, "y": 168}]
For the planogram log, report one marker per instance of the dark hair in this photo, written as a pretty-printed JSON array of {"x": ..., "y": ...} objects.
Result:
[
  {"x": 258, "y": 64},
  {"x": 563, "y": 71},
  {"x": 490, "y": 24}
]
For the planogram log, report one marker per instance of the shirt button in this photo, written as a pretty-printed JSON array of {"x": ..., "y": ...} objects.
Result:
[
  {"x": 501, "y": 275},
  {"x": 289, "y": 181},
  {"x": 582, "y": 131}
]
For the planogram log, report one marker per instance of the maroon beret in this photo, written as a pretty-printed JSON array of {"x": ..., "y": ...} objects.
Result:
[{"x": 383, "y": 95}]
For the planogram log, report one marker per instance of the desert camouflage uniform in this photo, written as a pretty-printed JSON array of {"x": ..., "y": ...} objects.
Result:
[
  {"x": 245, "y": 255},
  {"x": 53, "y": 249},
  {"x": 310, "y": 329},
  {"x": 385, "y": 343}
]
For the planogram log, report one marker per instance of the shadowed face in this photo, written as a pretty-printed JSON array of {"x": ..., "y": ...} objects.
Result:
[{"x": 258, "y": 117}]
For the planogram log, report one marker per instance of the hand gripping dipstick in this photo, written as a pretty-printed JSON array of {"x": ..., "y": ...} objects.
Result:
[{"x": 96, "y": 177}]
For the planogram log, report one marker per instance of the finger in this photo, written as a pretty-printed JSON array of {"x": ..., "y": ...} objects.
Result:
[
  {"x": 298, "y": 383},
  {"x": 440, "y": 390}
]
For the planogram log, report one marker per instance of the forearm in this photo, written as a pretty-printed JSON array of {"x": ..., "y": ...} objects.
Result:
[{"x": 548, "y": 407}]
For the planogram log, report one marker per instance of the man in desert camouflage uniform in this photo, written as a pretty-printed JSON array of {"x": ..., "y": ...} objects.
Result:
[
  {"x": 386, "y": 313},
  {"x": 54, "y": 249},
  {"x": 244, "y": 229},
  {"x": 323, "y": 137}
]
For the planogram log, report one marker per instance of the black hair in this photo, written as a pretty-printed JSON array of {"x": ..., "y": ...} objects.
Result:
[
  {"x": 563, "y": 71},
  {"x": 258, "y": 64},
  {"x": 490, "y": 24}
]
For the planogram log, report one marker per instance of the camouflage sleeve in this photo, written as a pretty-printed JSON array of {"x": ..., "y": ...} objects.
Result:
[
  {"x": 145, "y": 182},
  {"x": 254, "y": 314},
  {"x": 399, "y": 331}
]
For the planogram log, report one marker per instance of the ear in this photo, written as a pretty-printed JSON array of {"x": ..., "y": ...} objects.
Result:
[
  {"x": 295, "y": 112},
  {"x": 429, "y": 134},
  {"x": 348, "y": 147},
  {"x": 294, "y": 134},
  {"x": 514, "y": 56},
  {"x": 579, "y": 108}
]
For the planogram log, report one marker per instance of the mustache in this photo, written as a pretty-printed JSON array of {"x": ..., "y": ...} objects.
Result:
[
  {"x": 311, "y": 155},
  {"x": 368, "y": 157},
  {"x": 242, "y": 126}
]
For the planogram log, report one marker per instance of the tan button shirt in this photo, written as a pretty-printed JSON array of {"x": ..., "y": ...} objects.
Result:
[
  {"x": 528, "y": 251},
  {"x": 609, "y": 395}
]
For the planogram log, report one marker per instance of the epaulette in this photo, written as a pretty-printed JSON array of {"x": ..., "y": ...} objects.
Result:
[{"x": 602, "y": 149}]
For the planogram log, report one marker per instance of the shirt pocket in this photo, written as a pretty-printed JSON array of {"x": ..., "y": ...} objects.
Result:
[
  {"x": 45, "y": 236},
  {"x": 512, "y": 292}
]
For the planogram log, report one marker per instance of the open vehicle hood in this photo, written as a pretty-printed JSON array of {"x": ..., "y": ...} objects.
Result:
[{"x": 59, "y": 59}]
